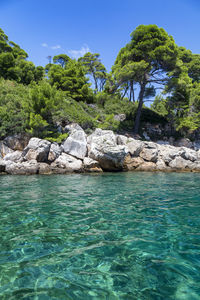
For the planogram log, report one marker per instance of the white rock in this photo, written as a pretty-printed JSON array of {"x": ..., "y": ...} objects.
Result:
[
  {"x": 68, "y": 163},
  {"x": 37, "y": 149},
  {"x": 54, "y": 152},
  {"x": 76, "y": 144},
  {"x": 14, "y": 156},
  {"x": 4, "y": 149}
]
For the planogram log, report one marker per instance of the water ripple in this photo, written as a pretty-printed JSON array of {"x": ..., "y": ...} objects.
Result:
[{"x": 111, "y": 236}]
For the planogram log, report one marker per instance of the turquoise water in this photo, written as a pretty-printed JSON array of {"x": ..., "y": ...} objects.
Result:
[{"x": 110, "y": 236}]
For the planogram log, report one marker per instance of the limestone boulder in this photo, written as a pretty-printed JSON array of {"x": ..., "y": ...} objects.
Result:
[
  {"x": 54, "y": 152},
  {"x": 17, "y": 142},
  {"x": 24, "y": 168},
  {"x": 161, "y": 166},
  {"x": 102, "y": 137},
  {"x": 66, "y": 163},
  {"x": 147, "y": 166},
  {"x": 4, "y": 149},
  {"x": 37, "y": 149},
  {"x": 104, "y": 149},
  {"x": 149, "y": 152},
  {"x": 181, "y": 164},
  {"x": 131, "y": 163},
  {"x": 15, "y": 156},
  {"x": 44, "y": 168},
  {"x": 91, "y": 165},
  {"x": 122, "y": 139},
  {"x": 110, "y": 158},
  {"x": 134, "y": 146},
  {"x": 189, "y": 154},
  {"x": 167, "y": 153},
  {"x": 76, "y": 144},
  {"x": 71, "y": 127}
]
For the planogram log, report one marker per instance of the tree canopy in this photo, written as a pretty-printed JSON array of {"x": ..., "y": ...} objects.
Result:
[
  {"x": 146, "y": 60},
  {"x": 150, "y": 67}
]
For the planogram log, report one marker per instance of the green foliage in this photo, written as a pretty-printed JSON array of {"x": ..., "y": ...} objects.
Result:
[
  {"x": 160, "y": 105},
  {"x": 57, "y": 137},
  {"x": 151, "y": 116},
  {"x": 115, "y": 106},
  {"x": 146, "y": 60},
  {"x": 72, "y": 111},
  {"x": 61, "y": 59},
  {"x": 37, "y": 125},
  {"x": 30, "y": 103},
  {"x": 110, "y": 123},
  {"x": 93, "y": 66},
  {"x": 71, "y": 79},
  {"x": 13, "y": 64},
  {"x": 13, "y": 113}
]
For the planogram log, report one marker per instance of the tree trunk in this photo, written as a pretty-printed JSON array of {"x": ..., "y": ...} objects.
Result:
[
  {"x": 139, "y": 109},
  {"x": 95, "y": 83},
  {"x": 132, "y": 92}
]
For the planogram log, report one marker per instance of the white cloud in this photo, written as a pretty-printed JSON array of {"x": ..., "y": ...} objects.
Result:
[
  {"x": 56, "y": 47},
  {"x": 44, "y": 45},
  {"x": 78, "y": 53}
]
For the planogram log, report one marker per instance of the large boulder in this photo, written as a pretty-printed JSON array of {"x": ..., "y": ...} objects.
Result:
[
  {"x": 110, "y": 158},
  {"x": 147, "y": 166},
  {"x": 54, "y": 152},
  {"x": 44, "y": 168},
  {"x": 161, "y": 166},
  {"x": 4, "y": 149},
  {"x": 103, "y": 148},
  {"x": 181, "y": 164},
  {"x": 131, "y": 163},
  {"x": 149, "y": 152},
  {"x": 134, "y": 146},
  {"x": 71, "y": 127},
  {"x": 17, "y": 141},
  {"x": 167, "y": 153},
  {"x": 189, "y": 154},
  {"x": 66, "y": 163},
  {"x": 37, "y": 149},
  {"x": 15, "y": 156},
  {"x": 25, "y": 168},
  {"x": 91, "y": 165},
  {"x": 102, "y": 137},
  {"x": 76, "y": 144}
]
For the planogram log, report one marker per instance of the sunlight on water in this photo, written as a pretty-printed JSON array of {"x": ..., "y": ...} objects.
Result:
[{"x": 110, "y": 236}]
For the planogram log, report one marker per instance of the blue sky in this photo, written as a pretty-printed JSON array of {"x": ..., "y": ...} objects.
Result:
[{"x": 52, "y": 27}]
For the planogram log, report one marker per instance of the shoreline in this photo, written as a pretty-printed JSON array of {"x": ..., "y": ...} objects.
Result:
[{"x": 101, "y": 151}]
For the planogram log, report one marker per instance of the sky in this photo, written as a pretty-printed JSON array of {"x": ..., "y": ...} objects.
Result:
[{"x": 47, "y": 28}]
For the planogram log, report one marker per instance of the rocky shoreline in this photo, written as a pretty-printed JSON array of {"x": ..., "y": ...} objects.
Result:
[{"x": 99, "y": 152}]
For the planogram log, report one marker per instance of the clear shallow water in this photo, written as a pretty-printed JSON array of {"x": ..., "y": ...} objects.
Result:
[{"x": 110, "y": 236}]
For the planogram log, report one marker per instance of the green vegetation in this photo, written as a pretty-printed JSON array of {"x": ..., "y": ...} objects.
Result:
[{"x": 42, "y": 101}]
